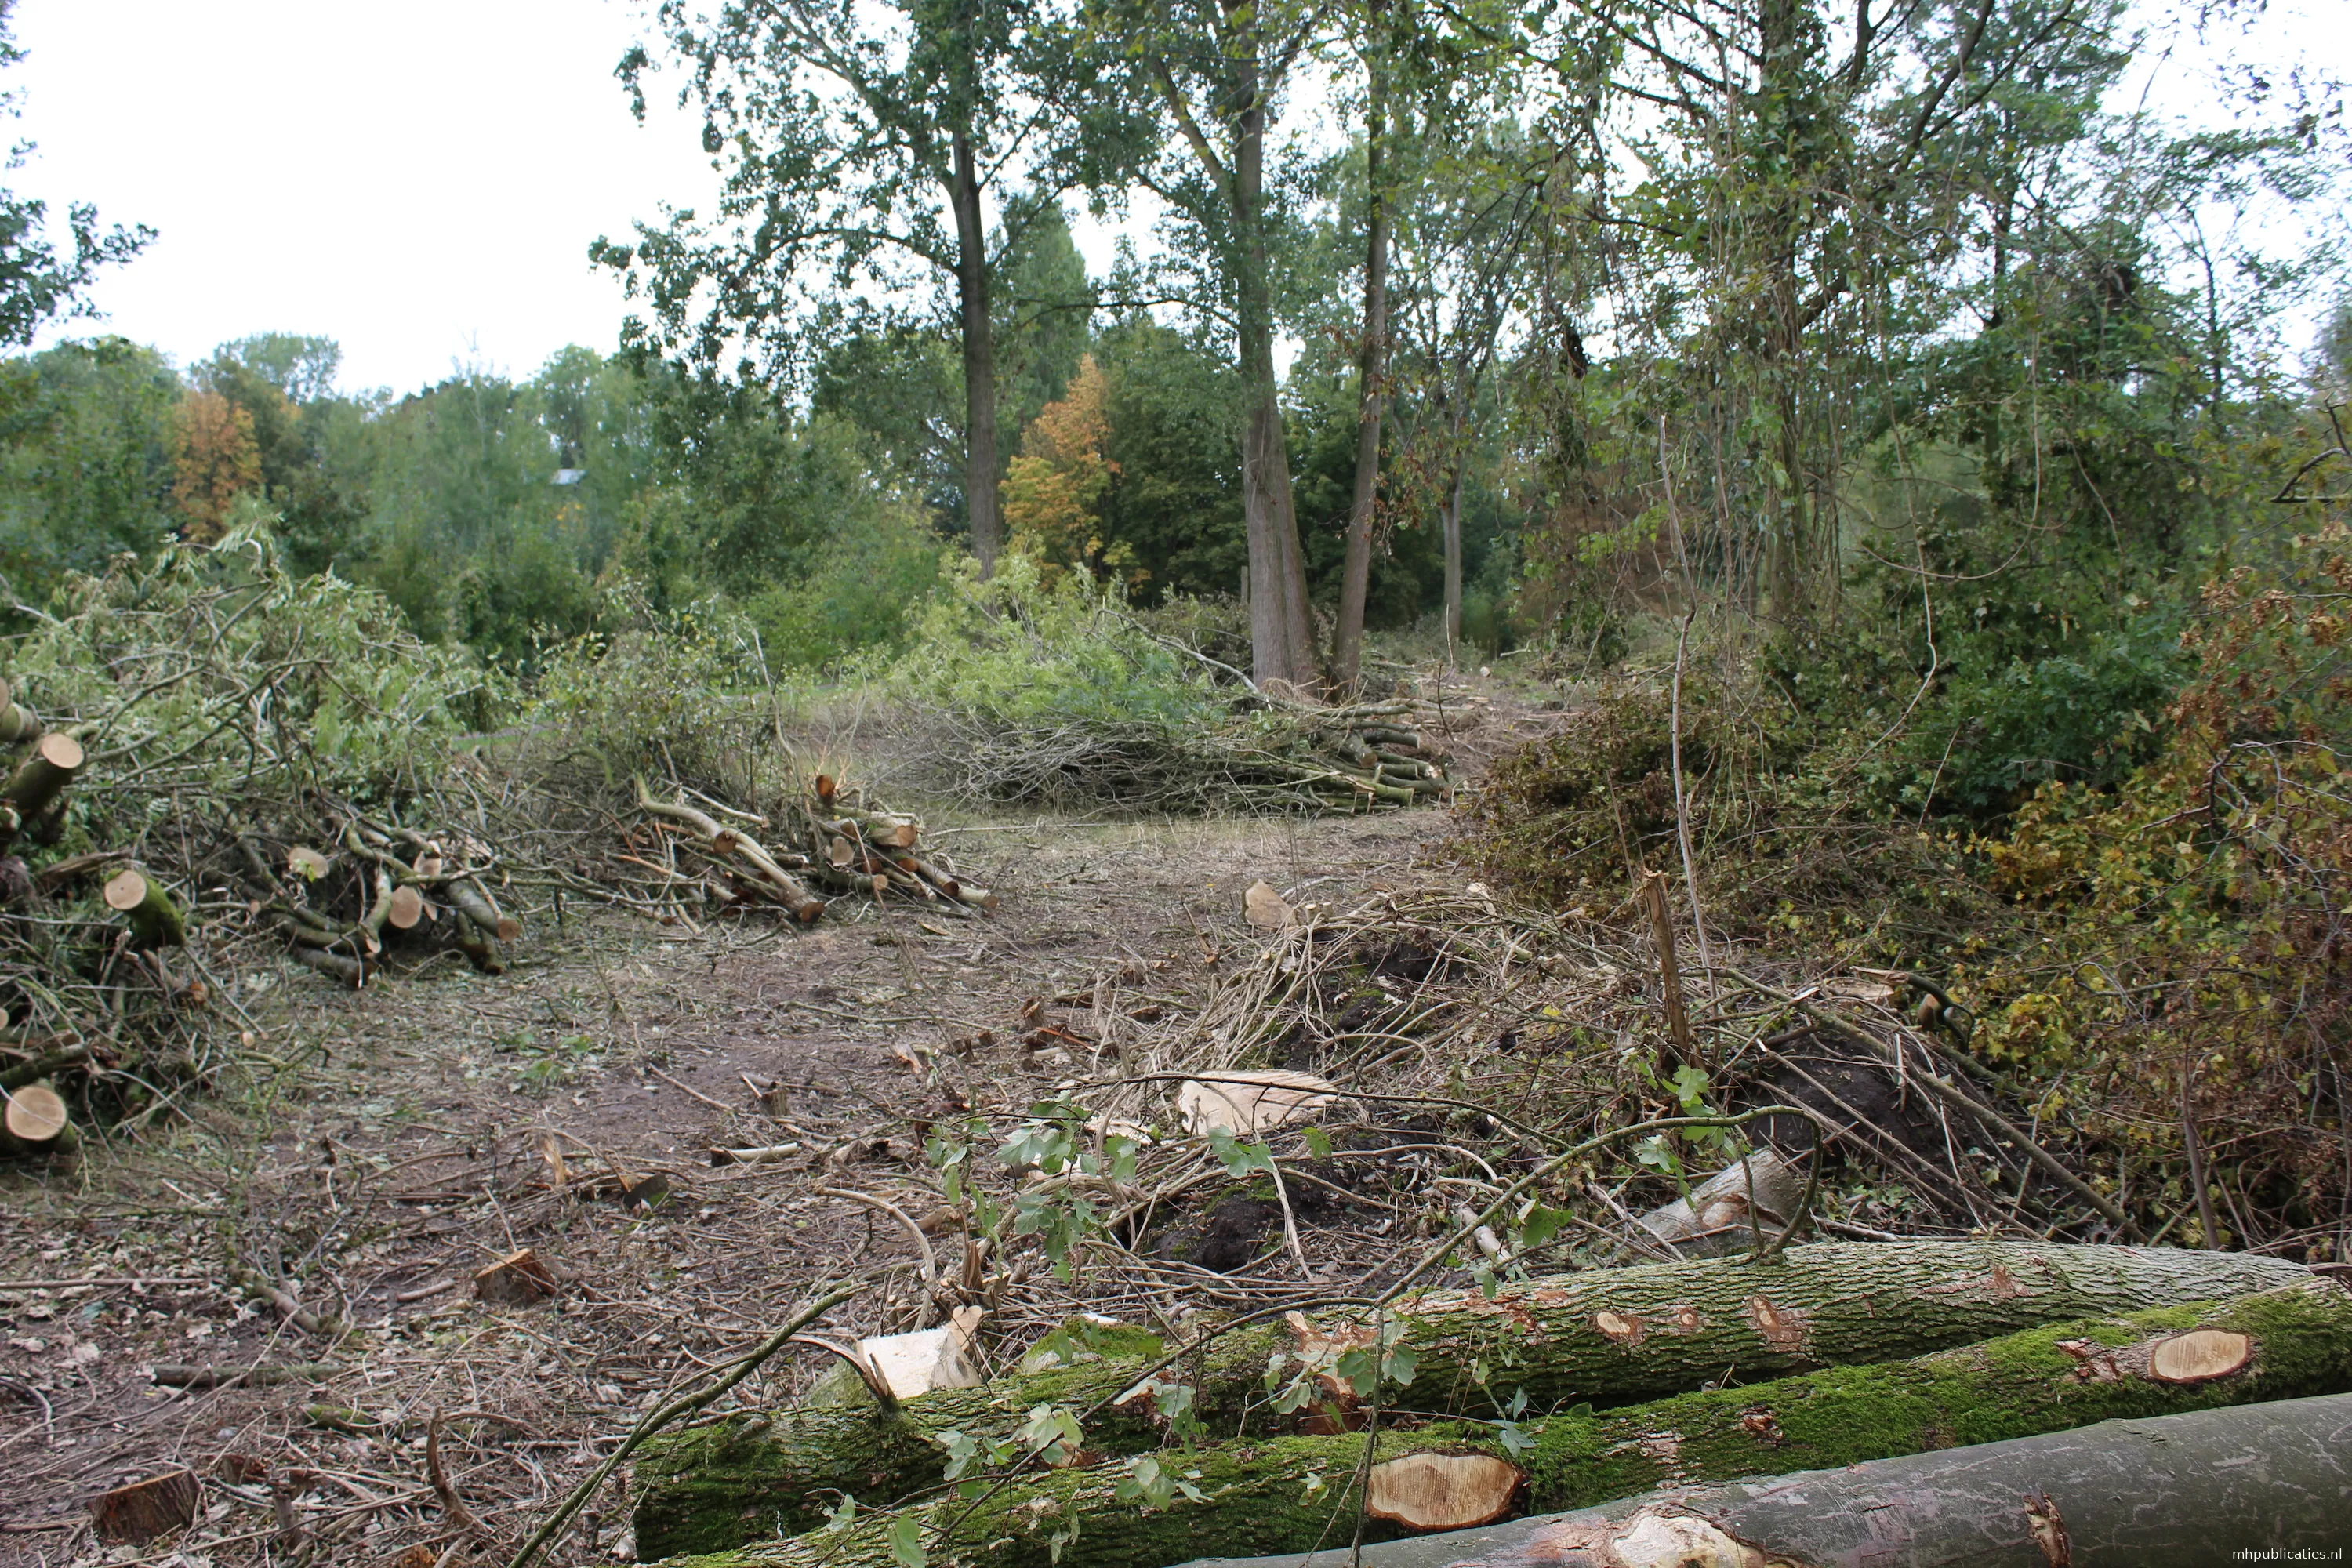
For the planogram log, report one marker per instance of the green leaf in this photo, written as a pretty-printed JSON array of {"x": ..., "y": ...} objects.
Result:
[
  {"x": 907, "y": 1542},
  {"x": 1319, "y": 1143}
]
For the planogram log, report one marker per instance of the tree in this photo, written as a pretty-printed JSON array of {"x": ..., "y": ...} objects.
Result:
[
  {"x": 870, "y": 155},
  {"x": 36, "y": 283},
  {"x": 85, "y": 460},
  {"x": 303, "y": 369},
  {"x": 1215, "y": 71},
  {"x": 214, "y": 459},
  {"x": 1054, "y": 494}
]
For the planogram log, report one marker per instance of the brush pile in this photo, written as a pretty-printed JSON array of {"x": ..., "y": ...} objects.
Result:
[
  {"x": 834, "y": 839},
  {"x": 1275, "y": 756}
]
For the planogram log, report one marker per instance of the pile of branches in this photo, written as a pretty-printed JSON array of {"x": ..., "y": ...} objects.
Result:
[
  {"x": 834, "y": 839},
  {"x": 232, "y": 759},
  {"x": 1275, "y": 754},
  {"x": 1518, "y": 1162}
]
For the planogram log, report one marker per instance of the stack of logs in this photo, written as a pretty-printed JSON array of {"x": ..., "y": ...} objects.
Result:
[
  {"x": 410, "y": 887},
  {"x": 32, "y": 1117},
  {"x": 1355, "y": 758},
  {"x": 1843, "y": 1354},
  {"x": 835, "y": 840}
]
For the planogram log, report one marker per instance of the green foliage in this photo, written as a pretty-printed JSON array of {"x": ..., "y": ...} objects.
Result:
[
  {"x": 85, "y": 460},
  {"x": 217, "y": 673},
  {"x": 1015, "y": 652},
  {"x": 655, "y": 692}
]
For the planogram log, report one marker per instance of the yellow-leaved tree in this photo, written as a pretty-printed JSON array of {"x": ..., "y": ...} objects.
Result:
[
  {"x": 214, "y": 459},
  {"x": 1052, "y": 492}
]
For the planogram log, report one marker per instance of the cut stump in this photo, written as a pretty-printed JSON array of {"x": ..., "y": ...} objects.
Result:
[
  {"x": 516, "y": 1280},
  {"x": 145, "y": 1510}
]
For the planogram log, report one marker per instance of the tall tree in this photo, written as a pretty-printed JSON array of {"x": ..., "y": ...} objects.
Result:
[
  {"x": 1216, "y": 70},
  {"x": 871, "y": 154},
  {"x": 36, "y": 282},
  {"x": 1371, "y": 355}
]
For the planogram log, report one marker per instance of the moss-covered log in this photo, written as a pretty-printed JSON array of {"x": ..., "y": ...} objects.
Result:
[
  {"x": 1608, "y": 1336},
  {"x": 1293, "y": 1494}
]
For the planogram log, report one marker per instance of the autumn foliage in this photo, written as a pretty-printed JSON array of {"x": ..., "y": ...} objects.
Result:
[
  {"x": 1053, "y": 493},
  {"x": 214, "y": 459}
]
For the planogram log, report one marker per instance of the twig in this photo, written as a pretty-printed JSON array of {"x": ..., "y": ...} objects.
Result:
[
  {"x": 670, "y": 1410},
  {"x": 922, "y": 1242},
  {"x": 453, "y": 1507}
]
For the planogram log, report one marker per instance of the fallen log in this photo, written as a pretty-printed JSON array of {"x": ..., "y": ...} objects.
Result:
[
  {"x": 1260, "y": 1496},
  {"x": 2173, "y": 1492},
  {"x": 1613, "y": 1335}
]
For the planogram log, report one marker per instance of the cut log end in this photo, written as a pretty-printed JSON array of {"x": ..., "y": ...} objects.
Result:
[
  {"x": 145, "y": 1510},
  {"x": 515, "y": 1280},
  {"x": 125, "y": 891},
  {"x": 407, "y": 908},
  {"x": 61, "y": 751},
  {"x": 306, "y": 862},
  {"x": 36, "y": 1114},
  {"x": 1442, "y": 1491},
  {"x": 2199, "y": 1355}
]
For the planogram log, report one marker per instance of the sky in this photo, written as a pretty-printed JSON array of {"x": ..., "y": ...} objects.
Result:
[{"x": 421, "y": 182}]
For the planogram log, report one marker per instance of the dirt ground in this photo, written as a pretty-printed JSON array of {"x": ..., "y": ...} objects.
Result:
[{"x": 392, "y": 1142}]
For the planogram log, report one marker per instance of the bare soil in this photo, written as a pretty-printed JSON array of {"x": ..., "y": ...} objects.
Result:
[{"x": 385, "y": 1146}]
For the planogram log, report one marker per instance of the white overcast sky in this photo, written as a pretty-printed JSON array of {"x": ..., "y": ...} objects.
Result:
[{"x": 420, "y": 182}]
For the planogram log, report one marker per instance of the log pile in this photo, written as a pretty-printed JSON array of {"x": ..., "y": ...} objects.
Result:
[
  {"x": 832, "y": 837},
  {"x": 1416, "y": 1472},
  {"x": 1649, "y": 1332},
  {"x": 386, "y": 887}
]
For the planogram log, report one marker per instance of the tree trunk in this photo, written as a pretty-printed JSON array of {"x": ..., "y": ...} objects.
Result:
[
  {"x": 2158, "y": 1493},
  {"x": 1254, "y": 1495},
  {"x": 979, "y": 356},
  {"x": 1451, "y": 515},
  {"x": 1282, "y": 628},
  {"x": 1356, "y": 575},
  {"x": 1610, "y": 1335}
]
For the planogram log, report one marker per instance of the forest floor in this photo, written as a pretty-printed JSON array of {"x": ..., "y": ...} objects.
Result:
[{"x": 387, "y": 1144}]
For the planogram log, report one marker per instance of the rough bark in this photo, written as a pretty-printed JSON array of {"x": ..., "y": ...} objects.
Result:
[
  {"x": 145, "y": 1510},
  {"x": 979, "y": 355},
  {"x": 2174, "y": 1492},
  {"x": 1282, "y": 628},
  {"x": 2049, "y": 1379},
  {"x": 1613, "y": 1335},
  {"x": 1449, "y": 515},
  {"x": 1372, "y": 371}
]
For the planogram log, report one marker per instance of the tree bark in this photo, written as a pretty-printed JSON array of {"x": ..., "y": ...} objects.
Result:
[
  {"x": 1282, "y": 628},
  {"x": 1610, "y": 1335},
  {"x": 1450, "y": 514},
  {"x": 2297, "y": 1343},
  {"x": 155, "y": 920},
  {"x": 1356, "y": 575},
  {"x": 979, "y": 355},
  {"x": 2173, "y": 1492}
]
